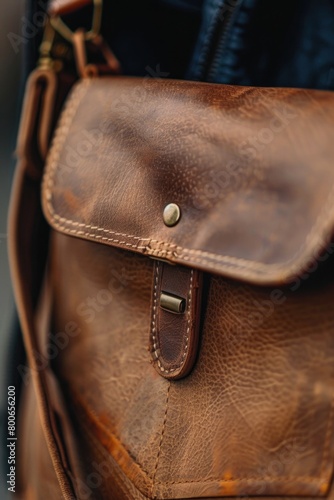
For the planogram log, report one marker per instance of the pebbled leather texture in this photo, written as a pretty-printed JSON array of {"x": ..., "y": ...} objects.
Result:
[
  {"x": 254, "y": 415},
  {"x": 174, "y": 336}
]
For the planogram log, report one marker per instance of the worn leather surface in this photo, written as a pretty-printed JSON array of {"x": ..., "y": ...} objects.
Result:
[
  {"x": 174, "y": 336},
  {"x": 250, "y": 168},
  {"x": 255, "y": 415}
]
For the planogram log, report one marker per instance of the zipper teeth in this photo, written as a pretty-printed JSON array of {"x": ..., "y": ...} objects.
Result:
[{"x": 218, "y": 38}]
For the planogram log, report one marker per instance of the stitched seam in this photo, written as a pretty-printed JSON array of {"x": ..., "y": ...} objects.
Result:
[
  {"x": 189, "y": 318},
  {"x": 154, "y": 316},
  {"x": 161, "y": 441},
  {"x": 97, "y": 237},
  {"x": 227, "y": 261},
  {"x": 97, "y": 228}
]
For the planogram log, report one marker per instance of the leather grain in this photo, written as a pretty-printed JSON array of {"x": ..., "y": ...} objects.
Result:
[
  {"x": 254, "y": 417},
  {"x": 250, "y": 168}
]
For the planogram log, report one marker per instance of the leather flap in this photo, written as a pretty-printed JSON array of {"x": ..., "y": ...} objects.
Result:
[{"x": 251, "y": 169}]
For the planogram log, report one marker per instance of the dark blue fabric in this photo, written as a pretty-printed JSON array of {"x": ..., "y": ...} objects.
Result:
[
  {"x": 268, "y": 42},
  {"x": 263, "y": 42},
  {"x": 185, "y": 5},
  {"x": 216, "y": 57}
]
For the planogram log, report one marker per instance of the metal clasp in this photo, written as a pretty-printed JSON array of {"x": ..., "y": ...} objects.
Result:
[
  {"x": 88, "y": 42},
  {"x": 62, "y": 28},
  {"x": 172, "y": 303}
]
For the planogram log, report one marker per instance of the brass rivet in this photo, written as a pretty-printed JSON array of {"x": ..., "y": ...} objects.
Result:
[{"x": 172, "y": 214}]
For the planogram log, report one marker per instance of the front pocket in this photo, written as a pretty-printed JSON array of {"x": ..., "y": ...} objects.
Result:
[{"x": 256, "y": 415}]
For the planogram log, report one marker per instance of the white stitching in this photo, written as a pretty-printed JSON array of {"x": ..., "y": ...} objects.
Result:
[
  {"x": 189, "y": 317},
  {"x": 154, "y": 318},
  {"x": 97, "y": 237}
]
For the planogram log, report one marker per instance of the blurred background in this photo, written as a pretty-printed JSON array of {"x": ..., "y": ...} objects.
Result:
[{"x": 11, "y": 56}]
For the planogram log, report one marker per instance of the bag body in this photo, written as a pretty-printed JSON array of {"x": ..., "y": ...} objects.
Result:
[
  {"x": 232, "y": 394},
  {"x": 171, "y": 255}
]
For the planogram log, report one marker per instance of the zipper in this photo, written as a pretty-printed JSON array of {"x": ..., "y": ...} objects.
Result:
[{"x": 219, "y": 36}]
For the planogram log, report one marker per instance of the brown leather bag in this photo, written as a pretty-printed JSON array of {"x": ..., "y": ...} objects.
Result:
[{"x": 180, "y": 342}]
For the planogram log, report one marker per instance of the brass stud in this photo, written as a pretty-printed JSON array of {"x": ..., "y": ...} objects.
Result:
[{"x": 171, "y": 214}]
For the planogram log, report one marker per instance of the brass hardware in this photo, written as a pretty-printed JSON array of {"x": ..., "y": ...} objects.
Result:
[
  {"x": 51, "y": 53},
  {"x": 45, "y": 60},
  {"x": 171, "y": 214},
  {"x": 79, "y": 39},
  {"x": 62, "y": 28},
  {"x": 172, "y": 303}
]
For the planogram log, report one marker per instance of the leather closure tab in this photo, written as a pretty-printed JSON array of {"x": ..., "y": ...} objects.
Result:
[{"x": 175, "y": 319}]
